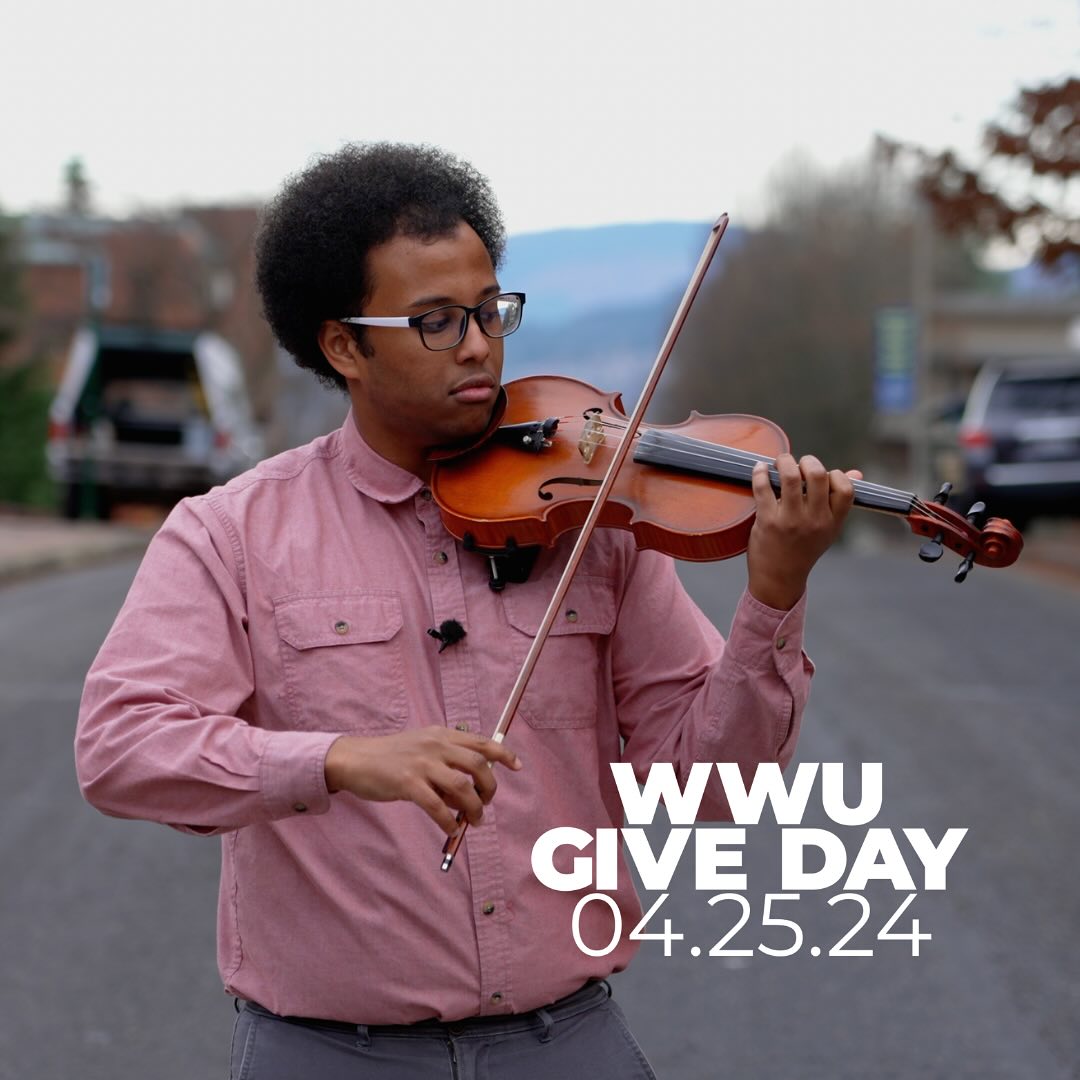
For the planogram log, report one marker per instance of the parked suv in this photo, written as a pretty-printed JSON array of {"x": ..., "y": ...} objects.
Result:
[
  {"x": 1020, "y": 436},
  {"x": 148, "y": 415}
]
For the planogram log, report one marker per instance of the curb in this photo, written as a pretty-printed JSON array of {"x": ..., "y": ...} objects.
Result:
[
  {"x": 32, "y": 546},
  {"x": 60, "y": 552}
]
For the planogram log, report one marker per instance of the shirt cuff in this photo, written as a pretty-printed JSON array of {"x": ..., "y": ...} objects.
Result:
[
  {"x": 767, "y": 639},
  {"x": 292, "y": 772}
]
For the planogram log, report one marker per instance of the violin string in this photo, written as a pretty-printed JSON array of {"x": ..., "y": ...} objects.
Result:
[
  {"x": 733, "y": 455},
  {"x": 736, "y": 458},
  {"x": 740, "y": 459},
  {"x": 706, "y": 448},
  {"x": 722, "y": 455},
  {"x": 743, "y": 462},
  {"x": 744, "y": 467}
]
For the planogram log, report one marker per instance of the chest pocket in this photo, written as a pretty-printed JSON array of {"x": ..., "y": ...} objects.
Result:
[
  {"x": 564, "y": 688},
  {"x": 343, "y": 660}
]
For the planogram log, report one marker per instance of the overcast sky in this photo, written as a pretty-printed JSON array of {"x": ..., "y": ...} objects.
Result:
[{"x": 580, "y": 111}]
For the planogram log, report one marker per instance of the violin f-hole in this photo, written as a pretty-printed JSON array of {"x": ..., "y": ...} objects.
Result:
[{"x": 579, "y": 481}]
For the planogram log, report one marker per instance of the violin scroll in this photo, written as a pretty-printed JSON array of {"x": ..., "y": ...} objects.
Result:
[{"x": 997, "y": 543}]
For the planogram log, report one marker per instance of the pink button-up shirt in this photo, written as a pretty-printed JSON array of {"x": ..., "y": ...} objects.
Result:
[{"x": 292, "y": 605}]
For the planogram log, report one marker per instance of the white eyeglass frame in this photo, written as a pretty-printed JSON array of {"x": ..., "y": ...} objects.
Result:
[{"x": 405, "y": 321}]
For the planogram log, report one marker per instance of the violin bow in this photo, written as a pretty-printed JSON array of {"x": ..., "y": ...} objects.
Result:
[{"x": 450, "y": 848}]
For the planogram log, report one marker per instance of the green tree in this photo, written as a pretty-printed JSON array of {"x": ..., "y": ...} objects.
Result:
[
  {"x": 24, "y": 394},
  {"x": 11, "y": 302},
  {"x": 24, "y": 415}
]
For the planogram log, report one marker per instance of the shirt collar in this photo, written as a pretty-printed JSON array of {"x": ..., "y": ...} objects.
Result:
[
  {"x": 370, "y": 473},
  {"x": 373, "y": 475}
]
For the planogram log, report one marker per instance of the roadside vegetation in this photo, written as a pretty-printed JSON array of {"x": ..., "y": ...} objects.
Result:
[{"x": 24, "y": 395}]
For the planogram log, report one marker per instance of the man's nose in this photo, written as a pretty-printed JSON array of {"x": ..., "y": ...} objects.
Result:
[{"x": 475, "y": 345}]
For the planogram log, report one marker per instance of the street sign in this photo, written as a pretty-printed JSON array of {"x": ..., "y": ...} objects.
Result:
[{"x": 896, "y": 339}]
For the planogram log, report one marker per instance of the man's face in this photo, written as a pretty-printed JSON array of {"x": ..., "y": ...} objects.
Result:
[{"x": 407, "y": 397}]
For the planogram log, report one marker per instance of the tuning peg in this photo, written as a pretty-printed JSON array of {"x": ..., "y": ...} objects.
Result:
[
  {"x": 965, "y": 567},
  {"x": 972, "y": 516},
  {"x": 932, "y": 550}
]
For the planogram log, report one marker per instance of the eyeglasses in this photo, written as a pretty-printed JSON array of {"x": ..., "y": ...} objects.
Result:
[{"x": 445, "y": 327}]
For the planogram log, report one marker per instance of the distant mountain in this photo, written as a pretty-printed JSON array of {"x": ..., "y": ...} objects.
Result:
[
  {"x": 601, "y": 299},
  {"x": 612, "y": 348},
  {"x": 566, "y": 272}
]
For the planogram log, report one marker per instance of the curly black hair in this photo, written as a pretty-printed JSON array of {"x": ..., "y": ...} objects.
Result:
[{"x": 313, "y": 238}]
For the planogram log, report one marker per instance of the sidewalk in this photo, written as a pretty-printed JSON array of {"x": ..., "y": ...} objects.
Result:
[
  {"x": 1052, "y": 550},
  {"x": 32, "y": 544}
]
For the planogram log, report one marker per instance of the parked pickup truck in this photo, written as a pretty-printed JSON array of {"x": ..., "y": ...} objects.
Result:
[{"x": 147, "y": 415}]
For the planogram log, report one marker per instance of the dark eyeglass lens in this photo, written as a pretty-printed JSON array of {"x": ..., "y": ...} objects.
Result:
[
  {"x": 443, "y": 328},
  {"x": 500, "y": 315}
]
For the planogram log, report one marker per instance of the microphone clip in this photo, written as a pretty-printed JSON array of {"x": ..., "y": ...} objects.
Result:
[{"x": 450, "y": 632}]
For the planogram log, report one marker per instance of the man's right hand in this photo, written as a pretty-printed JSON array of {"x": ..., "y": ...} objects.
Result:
[{"x": 442, "y": 770}]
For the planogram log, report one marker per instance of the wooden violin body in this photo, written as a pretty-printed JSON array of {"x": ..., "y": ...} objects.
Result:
[
  {"x": 684, "y": 492},
  {"x": 535, "y": 498}
]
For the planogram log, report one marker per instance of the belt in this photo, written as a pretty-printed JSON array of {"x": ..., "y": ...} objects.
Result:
[{"x": 592, "y": 994}]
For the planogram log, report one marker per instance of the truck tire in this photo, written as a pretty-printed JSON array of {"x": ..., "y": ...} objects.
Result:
[{"x": 71, "y": 500}]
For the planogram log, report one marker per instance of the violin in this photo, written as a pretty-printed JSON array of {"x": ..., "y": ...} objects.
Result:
[{"x": 684, "y": 489}]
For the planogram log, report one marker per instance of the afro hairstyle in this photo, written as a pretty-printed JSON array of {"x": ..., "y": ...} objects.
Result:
[{"x": 314, "y": 236}]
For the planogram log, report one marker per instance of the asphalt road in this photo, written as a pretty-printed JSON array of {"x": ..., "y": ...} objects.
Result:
[{"x": 967, "y": 695}]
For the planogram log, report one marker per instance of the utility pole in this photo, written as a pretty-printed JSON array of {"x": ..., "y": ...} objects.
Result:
[{"x": 920, "y": 460}]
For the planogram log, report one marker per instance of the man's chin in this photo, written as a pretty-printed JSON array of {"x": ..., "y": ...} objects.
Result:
[{"x": 474, "y": 429}]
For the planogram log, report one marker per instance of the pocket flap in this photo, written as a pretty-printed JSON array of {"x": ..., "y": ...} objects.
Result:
[
  {"x": 309, "y": 622},
  {"x": 587, "y": 608}
]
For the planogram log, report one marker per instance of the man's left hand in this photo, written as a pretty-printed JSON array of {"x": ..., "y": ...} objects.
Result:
[{"x": 792, "y": 531}]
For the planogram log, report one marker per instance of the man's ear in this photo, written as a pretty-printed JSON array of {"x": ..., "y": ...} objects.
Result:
[{"x": 340, "y": 349}]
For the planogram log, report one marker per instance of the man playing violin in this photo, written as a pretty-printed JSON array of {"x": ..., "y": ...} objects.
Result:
[{"x": 308, "y": 664}]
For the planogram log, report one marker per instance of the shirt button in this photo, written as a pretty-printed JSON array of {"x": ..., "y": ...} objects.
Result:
[
  {"x": 441, "y": 557},
  {"x": 571, "y": 615},
  {"x": 488, "y": 907},
  {"x": 496, "y": 998},
  {"x": 461, "y": 727},
  {"x": 781, "y": 642},
  {"x": 300, "y": 807},
  {"x": 341, "y": 627},
  {"x": 425, "y": 494}
]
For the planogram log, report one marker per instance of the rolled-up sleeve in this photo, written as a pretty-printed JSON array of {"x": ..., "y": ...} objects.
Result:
[
  {"x": 159, "y": 734},
  {"x": 685, "y": 694}
]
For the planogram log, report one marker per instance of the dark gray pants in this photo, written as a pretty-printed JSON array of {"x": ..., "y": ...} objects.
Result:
[{"x": 584, "y": 1035}]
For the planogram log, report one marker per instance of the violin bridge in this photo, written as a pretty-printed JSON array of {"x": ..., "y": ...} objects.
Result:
[{"x": 591, "y": 437}]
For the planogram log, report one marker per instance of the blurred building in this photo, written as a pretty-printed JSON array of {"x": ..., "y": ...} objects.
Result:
[
  {"x": 963, "y": 331},
  {"x": 967, "y": 329},
  {"x": 188, "y": 270}
]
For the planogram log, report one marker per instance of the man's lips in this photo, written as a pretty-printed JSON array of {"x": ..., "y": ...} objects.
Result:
[{"x": 480, "y": 388}]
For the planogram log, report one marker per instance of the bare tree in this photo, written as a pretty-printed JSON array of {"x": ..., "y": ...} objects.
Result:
[
  {"x": 1021, "y": 193},
  {"x": 786, "y": 331}
]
